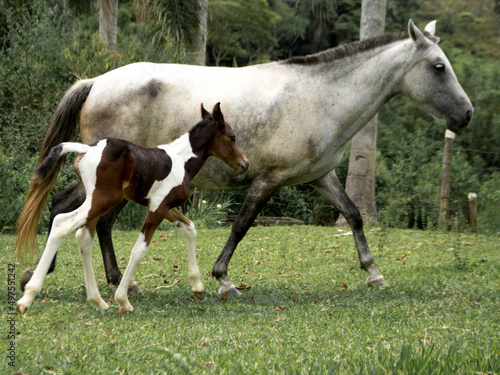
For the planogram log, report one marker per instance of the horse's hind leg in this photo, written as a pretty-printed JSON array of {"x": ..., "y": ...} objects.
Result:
[
  {"x": 330, "y": 187},
  {"x": 85, "y": 238},
  {"x": 63, "y": 225},
  {"x": 64, "y": 201},
  {"x": 189, "y": 232},
  {"x": 261, "y": 190},
  {"x": 104, "y": 226},
  {"x": 151, "y": 223}
]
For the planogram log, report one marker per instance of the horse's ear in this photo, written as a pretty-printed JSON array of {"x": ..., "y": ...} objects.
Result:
[
  {"x": 431, "y": 28},
  {"x": 204, "y": 113},
  {"x": 417, "y": 35},
  {"x": 217, "y": 113}
]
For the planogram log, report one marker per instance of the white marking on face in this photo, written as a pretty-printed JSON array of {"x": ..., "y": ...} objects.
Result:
[{"x": 180, "y": 152}]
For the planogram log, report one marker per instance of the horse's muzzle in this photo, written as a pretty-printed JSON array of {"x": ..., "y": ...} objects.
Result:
[{"x": 457, "y": 123}]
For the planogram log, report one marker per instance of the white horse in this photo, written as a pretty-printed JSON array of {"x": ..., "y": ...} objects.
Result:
[{"x": 295, "y": 118}]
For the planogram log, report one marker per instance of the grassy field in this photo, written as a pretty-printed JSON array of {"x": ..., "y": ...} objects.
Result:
[{"x": 305, "y": 308}]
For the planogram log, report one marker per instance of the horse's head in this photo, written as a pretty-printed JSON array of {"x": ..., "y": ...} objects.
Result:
[
  {"x": 223, "y": 141},
  {"x": 432, "y": 82}
]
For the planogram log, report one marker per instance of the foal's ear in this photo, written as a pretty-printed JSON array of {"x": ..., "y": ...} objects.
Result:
[
  {"x": 217, "y": 113},
  {"x": 204, "y": 113}
]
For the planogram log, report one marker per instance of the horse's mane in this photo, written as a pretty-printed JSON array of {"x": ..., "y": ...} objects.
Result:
[{"x": 352, "y": 49}]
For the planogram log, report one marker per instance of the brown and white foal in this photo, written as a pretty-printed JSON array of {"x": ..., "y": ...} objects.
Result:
[{"x": 112, "y": 169}]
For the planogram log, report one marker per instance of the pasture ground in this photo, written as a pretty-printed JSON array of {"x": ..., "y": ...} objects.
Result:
[{"x": 305, "y": 308}]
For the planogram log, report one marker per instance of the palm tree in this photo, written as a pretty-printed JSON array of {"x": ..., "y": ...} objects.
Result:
[{"x": 184, "y": 21}]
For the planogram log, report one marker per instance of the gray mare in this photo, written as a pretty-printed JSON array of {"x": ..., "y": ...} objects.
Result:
[{"x": 293, "y": 119}]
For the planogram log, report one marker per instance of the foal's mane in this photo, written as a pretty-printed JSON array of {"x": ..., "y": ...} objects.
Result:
[
  {"x": 200, "y": 124},
  {"x": 351, "y": 49}
]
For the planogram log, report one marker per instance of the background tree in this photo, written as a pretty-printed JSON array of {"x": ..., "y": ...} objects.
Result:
[
  {"x": 108, "y": 18},
  {"x": 183, "y": 22},
  {"x": 360, "y": 183}
]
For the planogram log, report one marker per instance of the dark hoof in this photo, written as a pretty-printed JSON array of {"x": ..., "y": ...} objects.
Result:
[
  {"x": 199, "y": 295},
  {"x": 25, "y": 277},
  {"x": 134, "y": 288},
  {"x": 379, "y": 281},
  {"x": 230, "y": 292}
]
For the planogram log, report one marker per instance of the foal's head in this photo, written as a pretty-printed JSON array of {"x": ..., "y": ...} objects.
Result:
[{"x": 217, "y": 139}]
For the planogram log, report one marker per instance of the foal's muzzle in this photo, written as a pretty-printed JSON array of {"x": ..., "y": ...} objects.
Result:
[{"x": 242, "y": 166}]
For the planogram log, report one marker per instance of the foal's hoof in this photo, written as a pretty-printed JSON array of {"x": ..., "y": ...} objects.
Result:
[
  {"x": 21, "y": 309},
  {"x": 378, "y": 281},
  {"x": 199, "y": 295},
  {"x": 25, "y": 278},
  {"x": 230, "y": 292}
]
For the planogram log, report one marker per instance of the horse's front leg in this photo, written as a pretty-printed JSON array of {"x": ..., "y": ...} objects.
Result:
[
  {"x": 189, "y": 232},
  {"x": 151, "y": 223},
  {"x": 330, "y": 187},
  {"x": 263, "y": 187}
]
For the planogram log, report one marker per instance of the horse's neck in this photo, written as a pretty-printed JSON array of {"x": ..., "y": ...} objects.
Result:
[
  {"x": 370, "y": 76},
  {"x": 360, "y": 85}
]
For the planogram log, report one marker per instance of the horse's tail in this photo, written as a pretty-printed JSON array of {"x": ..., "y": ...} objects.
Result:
[
  {"x": 43, "y": 179},
  {"x": 62, "y": 128},
  {"x": 63, "y": 123}
]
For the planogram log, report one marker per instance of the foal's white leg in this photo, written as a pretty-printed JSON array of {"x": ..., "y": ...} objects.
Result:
[
  {"x": 85, "y": 240},
  {"x": 189, "y": 233},
  {"x": 136, "y": 256},
  {"x": 62, "y": 225}
]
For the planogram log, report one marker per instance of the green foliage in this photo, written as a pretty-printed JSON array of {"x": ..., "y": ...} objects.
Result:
[
  {"x": 489, "y": 203},
  {"x": 240, "y": 29},
  {"x": 307, "y": 311}
]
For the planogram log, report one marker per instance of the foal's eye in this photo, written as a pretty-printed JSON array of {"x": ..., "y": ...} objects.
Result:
[
  {"x": 232, "y": 139},
  {"x": 439, "y": 68}
]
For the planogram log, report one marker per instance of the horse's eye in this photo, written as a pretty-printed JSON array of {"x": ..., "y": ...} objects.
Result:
[
  {"x": 232, "y": 139},
  {"x": 439, "y": 68}
]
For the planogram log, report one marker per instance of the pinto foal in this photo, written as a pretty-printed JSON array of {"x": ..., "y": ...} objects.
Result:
[{"x": 112, "y": 169}]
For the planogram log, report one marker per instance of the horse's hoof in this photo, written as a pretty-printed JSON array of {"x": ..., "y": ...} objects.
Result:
[
  {"x": 230, "y": 292},
  {"x": 25, "y": 278},
  {"x": 378, "y": 281},
  {"x": 21, "y": 309},
  {"x": 199, "y": 295},
  {"x": 134, "y": 288}
]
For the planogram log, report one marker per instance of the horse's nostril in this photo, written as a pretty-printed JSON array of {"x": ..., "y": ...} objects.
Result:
[{"x": 468, "y": 115}]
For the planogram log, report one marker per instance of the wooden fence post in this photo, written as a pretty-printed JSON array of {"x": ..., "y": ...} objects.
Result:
[
  {"x": 473, "y": 212},
  {"x": 444, "y": 204}
]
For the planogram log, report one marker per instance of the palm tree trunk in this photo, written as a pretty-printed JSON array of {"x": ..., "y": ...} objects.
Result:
[{"x": 108, "y": 19}]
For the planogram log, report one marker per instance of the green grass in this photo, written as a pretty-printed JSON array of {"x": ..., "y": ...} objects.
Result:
[{"x": 440, "y": 314}]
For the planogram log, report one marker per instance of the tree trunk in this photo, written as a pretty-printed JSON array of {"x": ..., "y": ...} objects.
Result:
[
  {"x": 197, "y": 46},
  {"x": 360, "y": 183},
  {"x": 196, "y": 55},
  {"x": 108, "y": 19}
]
